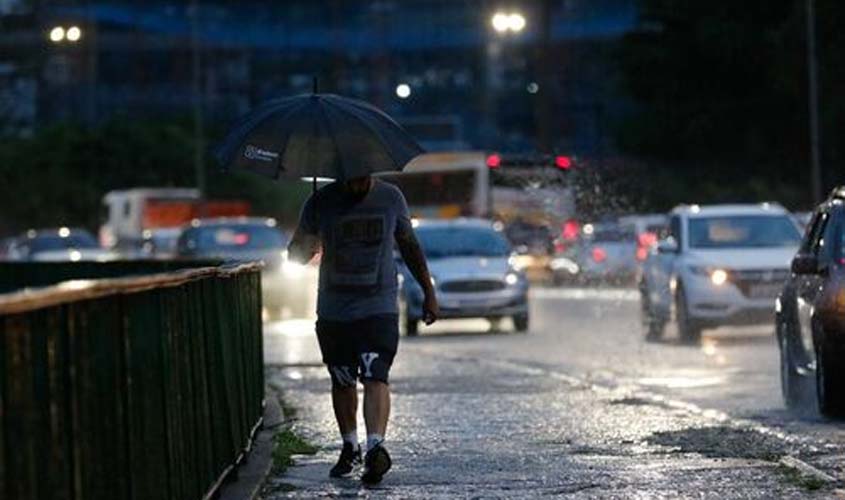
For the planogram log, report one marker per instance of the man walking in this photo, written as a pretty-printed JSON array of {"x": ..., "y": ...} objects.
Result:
[{"x": 356, "y": 222}]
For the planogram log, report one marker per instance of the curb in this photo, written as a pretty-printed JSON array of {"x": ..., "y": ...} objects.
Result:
[{"x": 249, "y": 477}]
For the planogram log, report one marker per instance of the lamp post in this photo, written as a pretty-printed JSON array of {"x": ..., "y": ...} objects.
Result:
[
  {"x": 813, "y": 102},
  {"x": 504, "y": 24}
]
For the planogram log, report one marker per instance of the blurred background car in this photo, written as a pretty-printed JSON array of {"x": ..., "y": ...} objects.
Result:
[
  {"x": 803, "y": 219},
  {"x": 606, "y": 254},
  {"x": 160, "y": 243},
  {"x": 533, "y": 243},
  {"x": 720, "y": 265},
  {"x": 809, "y": 315},
  {"x": 648, "y": 230},
  {"x": 288, "y": 288},
  {"x": 473, "y": 272},
  {"x": 61, "y": 244}
]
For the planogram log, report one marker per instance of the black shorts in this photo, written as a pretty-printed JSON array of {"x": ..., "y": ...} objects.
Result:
[{"x": 361, "y": 349}]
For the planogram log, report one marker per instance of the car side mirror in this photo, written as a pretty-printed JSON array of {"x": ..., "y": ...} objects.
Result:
[
  {"x": 805, "y": 263},
  {"x": 669, "y": 245}
]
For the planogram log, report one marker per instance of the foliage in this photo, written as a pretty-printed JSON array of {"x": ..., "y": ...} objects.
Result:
[
  {"x": 286, "y": 444},
  {"x": 58, "y": 176},
  {"x": 720, "y": 99}
]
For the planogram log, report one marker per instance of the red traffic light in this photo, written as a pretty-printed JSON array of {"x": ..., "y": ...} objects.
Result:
[
  {"x": 563, "y": 162},
  {"x": 494, "y": 161}
]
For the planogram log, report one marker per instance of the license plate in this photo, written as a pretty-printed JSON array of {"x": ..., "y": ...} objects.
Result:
[{"x": 764, "y": 291}]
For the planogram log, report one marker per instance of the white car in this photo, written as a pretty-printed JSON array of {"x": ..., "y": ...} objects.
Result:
[
  {"x": 720, "y": 265},
  {"x": 474, "y": 275},
  {"x": 286, "y": 286}
]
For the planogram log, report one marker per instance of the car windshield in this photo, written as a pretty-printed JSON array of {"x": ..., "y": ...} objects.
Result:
[
  {"x": 755, "y": 231},
  {"x": 49, "y": 243},
  {"x": 610, "y": 234},
  {"x": 462, "y": 242},
  {"x": 238, "y": 237}
]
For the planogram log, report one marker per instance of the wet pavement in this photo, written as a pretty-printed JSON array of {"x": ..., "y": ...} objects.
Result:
[{"x": 579, "y": 407}]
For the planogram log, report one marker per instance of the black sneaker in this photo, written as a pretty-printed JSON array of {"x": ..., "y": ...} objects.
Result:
[
  {"x": 376, "y": 464},
  {"x": 349, "y": 460}
]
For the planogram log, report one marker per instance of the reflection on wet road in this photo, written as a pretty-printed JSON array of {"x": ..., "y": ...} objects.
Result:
[{"x": 580, "y": 407}]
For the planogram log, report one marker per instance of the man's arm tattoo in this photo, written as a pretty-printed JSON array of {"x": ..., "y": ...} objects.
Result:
[{"x": 414, "y": 258}]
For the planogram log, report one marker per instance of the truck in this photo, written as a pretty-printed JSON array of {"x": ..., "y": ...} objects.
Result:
[{"x": 133, "y": 217}]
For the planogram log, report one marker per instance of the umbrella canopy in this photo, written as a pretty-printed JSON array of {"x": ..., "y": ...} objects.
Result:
[{"x": 317, "y": 135}]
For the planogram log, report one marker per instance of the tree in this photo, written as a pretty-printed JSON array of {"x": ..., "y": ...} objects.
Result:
[
  {"x": 720, "y": 98},
  {"x": 59, "y": 175}
]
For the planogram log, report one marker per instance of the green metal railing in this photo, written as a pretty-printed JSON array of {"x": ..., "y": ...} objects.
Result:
[{"x": 147, "y": 387}]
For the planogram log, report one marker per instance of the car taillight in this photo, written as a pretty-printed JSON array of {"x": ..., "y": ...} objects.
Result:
[
  {"x": 647, "y": 239},
  {"x": 599, "y": 255},
  {"x": 494, "y": 161},
  {"x": 570, "y": 230}
]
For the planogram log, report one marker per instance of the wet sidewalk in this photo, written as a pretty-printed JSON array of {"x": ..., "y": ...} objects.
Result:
[{"x": 464, "y": 427}]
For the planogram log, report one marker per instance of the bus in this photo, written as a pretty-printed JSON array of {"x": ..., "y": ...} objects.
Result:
[
  {"x": 477, "y": 184},
  {"x": 530, "y": 195}
]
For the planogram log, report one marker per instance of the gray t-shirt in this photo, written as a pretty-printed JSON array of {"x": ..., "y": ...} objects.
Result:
[{"x": 357, "y": 268}]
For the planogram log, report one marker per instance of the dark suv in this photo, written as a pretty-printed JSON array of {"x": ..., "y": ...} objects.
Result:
[{"x": 810, "y": 313}]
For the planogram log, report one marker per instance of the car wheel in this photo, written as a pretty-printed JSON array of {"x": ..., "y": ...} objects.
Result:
[
  {"x": 688, "y": 329},
  {"x": 652, "y": 325},
  {"x": 794, "y": 386},
  {"x": 829, "y": 381},
  {"x": 521, "y": 322}
]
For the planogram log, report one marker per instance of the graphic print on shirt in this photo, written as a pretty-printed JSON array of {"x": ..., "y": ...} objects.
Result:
[{"x": 358, "y": 245}]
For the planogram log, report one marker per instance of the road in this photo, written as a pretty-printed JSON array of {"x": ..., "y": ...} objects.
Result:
[{"x": 579, "y": 407}]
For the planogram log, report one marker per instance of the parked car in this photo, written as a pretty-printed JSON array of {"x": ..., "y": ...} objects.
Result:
[
  {"x": 473, "y": 271},
  {"x": 606, "y": 253},
  {"x": 810, "y": 313},
  {"x": 61, "y": 244},
  {"x": 285, "y": 284},
  {"x": 720, "y": 265}
]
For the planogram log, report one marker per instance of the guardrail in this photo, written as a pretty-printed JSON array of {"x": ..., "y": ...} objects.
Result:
[{"x": 147, "y": 387}]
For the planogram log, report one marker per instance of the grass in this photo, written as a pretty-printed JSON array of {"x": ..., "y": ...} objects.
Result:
[
  {"x": 797, "y": 478},
  {"x": 286, "y": 444}
]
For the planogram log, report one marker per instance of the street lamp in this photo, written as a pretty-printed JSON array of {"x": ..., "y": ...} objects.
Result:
[
  {"x": 504, "y": 22},
  {"x": 517, "y": 22},
  {"x": 73, "y": 34},
  {"x": 403, "y": 91},
  {"x": 57, "y": 34}
]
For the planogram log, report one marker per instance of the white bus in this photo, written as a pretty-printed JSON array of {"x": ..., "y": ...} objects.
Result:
[
  {"x": 530, "y": 195},
  {"x": 477, "y": 184}
]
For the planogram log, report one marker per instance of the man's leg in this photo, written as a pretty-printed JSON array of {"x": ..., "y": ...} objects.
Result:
[
  {"x": 345, "y": 402},
  {"x": 339, "y": 356},
  {"x": 381, "y": 340},
  {"x": 376, "y": 407}
]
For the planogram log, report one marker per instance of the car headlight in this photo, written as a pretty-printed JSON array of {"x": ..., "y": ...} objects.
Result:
[
  {"x": 512, "y": 278},
  {"x": 292, "y": 269},
  {"x": 717, "y": 276}
]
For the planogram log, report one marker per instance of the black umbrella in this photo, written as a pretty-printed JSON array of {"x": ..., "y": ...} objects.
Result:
[{"x": 317, "y": 135}]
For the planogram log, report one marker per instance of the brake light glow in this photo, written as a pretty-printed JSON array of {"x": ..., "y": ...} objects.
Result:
[
  {"x": 494, "y": 161},
  {"x": 563, "y": 162},
  {"x": 571, "y": 229},
  {"x": 647, "y": 239},
  {"x": 599, "y": 255}
]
